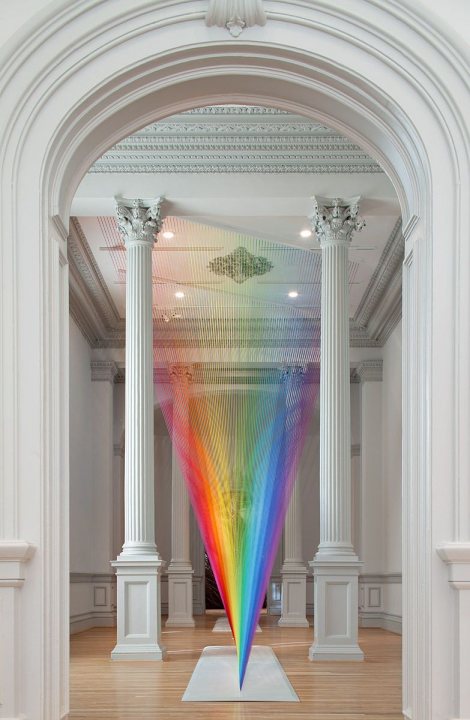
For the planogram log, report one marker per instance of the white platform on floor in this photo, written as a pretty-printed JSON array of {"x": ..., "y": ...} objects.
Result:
[
  {"x": 222, "y": 625},
  {"x": 215, "y": 677}
]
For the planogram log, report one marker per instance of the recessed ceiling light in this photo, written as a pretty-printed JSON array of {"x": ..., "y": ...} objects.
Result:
[
  {"x": 293, "y": 294},
  {"x": 168, "y": 234},
  {"x": 179, "y": 294},
  {"x": 305, "y": 233}
]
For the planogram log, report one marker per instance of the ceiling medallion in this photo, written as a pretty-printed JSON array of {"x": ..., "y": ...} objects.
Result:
[{"x": 240, "y": 265}]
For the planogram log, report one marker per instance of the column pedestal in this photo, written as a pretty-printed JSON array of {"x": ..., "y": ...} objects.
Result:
[
  {"x": 180, "y": 595},
  {"x": 336, "y": 608},
  {"x": 139, "y": 601},
  {"x": 294, "y": 595}
]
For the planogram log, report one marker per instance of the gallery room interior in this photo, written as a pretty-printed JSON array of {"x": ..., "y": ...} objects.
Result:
[{"x": 235, "y": 393}]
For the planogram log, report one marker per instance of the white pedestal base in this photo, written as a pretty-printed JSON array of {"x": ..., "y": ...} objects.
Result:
[
  {"x": 215, "y": 677},
  {"x": 294, "y": 596},
  {"x": 138, "y": 608},
  {"x": 222, "y": 625},
  {"x": 180, "y": 596},
  {"x": 336, "y": 610}
]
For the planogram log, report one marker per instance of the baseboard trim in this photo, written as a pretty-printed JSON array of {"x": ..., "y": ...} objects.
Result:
[
  {"x": 383, "y": 620},
  {"x": 86, "y": 621}
]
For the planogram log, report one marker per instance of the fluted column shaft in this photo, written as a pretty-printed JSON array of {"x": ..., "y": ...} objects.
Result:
[
  {"x": 180, "y": 547},
  {"x": 293, "y": 528},
  {"x": 180, "y": 572},
  {"x": 139, "y": 463},
  {"x": 335, "y": 442},
  {"x": 293, "y": 524},
  {"x": 334, "y": 223},
  {"x": 293, "y": 570}
]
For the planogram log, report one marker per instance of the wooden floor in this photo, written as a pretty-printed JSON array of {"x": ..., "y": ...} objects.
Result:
[{"x": 101, "y": 688}]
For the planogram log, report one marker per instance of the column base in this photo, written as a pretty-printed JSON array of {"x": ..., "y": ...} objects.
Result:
[
  {"x": 336, "y": 611},
  {"x": 138, "y": 608},
  {"x": 180, "y": 595},
  {"x": 294, "y": 595},
  {"x": 138, "y": 652},
  {"x": 325, "y": 653}
]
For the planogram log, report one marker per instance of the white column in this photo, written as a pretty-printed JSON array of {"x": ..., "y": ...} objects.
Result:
[
  {"x": 139, "y": 566},
  {"x": 180, "y": 571},
  {"x": 294, "y": 570},
  {"x": 336, "y": 567}
]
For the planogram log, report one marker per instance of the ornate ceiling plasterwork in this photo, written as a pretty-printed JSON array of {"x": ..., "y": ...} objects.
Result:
[
  {"x": 95, "y": 313},
  {"x": 235, "y": 139},
  {"x": 240, "y": 265}
]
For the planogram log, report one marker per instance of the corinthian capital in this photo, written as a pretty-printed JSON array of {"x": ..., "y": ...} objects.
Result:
[
  {"x": 335, "y": 219},
  {"x": 139, "y": 220},
  {"x": 180, "y": 373},
  {"x": 292, "y": 372}
]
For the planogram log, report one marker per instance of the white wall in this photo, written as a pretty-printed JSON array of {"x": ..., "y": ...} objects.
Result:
[
  {"x": 392, "y": 452},
  {"x": 380, "y": 493},
  {"x": 81, "y": 461},
  {"x": 92, "y": 586},
  {"x": 392, "y": 469}
]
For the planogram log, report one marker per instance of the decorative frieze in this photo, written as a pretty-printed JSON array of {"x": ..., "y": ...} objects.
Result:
[{"x": 236, "y": 139}]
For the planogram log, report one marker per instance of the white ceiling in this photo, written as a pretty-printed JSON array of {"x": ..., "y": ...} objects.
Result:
[{"x": 235, "y": 177}]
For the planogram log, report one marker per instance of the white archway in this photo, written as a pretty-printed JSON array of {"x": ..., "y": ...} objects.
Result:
[{"x": 91, "y": 73}]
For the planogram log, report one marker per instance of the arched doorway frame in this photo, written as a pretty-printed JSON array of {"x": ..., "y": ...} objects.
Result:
[{"x": 81, "y": 78}]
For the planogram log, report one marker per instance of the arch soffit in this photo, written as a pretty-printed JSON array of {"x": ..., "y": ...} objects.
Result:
[{"x": 116, "y": 96}]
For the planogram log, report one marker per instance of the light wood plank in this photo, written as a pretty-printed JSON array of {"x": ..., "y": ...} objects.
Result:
[{"x": 101, "y": 688}]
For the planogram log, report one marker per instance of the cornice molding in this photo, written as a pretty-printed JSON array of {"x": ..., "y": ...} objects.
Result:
[
  {"x": 91, "y": 304},
  {"x": 236, "y": 139},
  {"x": 380, "y": 308},
  {"x": 229, "y": 374},
  {"x": 370, "y": 371},
  {"x": 103, "y": 370}
]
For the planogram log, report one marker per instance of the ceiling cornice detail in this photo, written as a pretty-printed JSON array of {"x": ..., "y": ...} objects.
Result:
[
  {"x": 228, "y": 374},
  {"x": 91, "y": 304},
  {"x": 236, "y": 139},
  {"x": 94, "y": 311},
  {"x": 380, "y": 308}
]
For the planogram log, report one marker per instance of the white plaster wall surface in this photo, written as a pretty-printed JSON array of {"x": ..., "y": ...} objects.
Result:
[
  {"x": 372, "y": 511},
  {"x": 82, "y": 541},
  {"x": 392, "y": 450}
]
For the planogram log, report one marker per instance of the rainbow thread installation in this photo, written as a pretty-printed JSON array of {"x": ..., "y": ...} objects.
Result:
[{"x": 238, "y": 433}]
